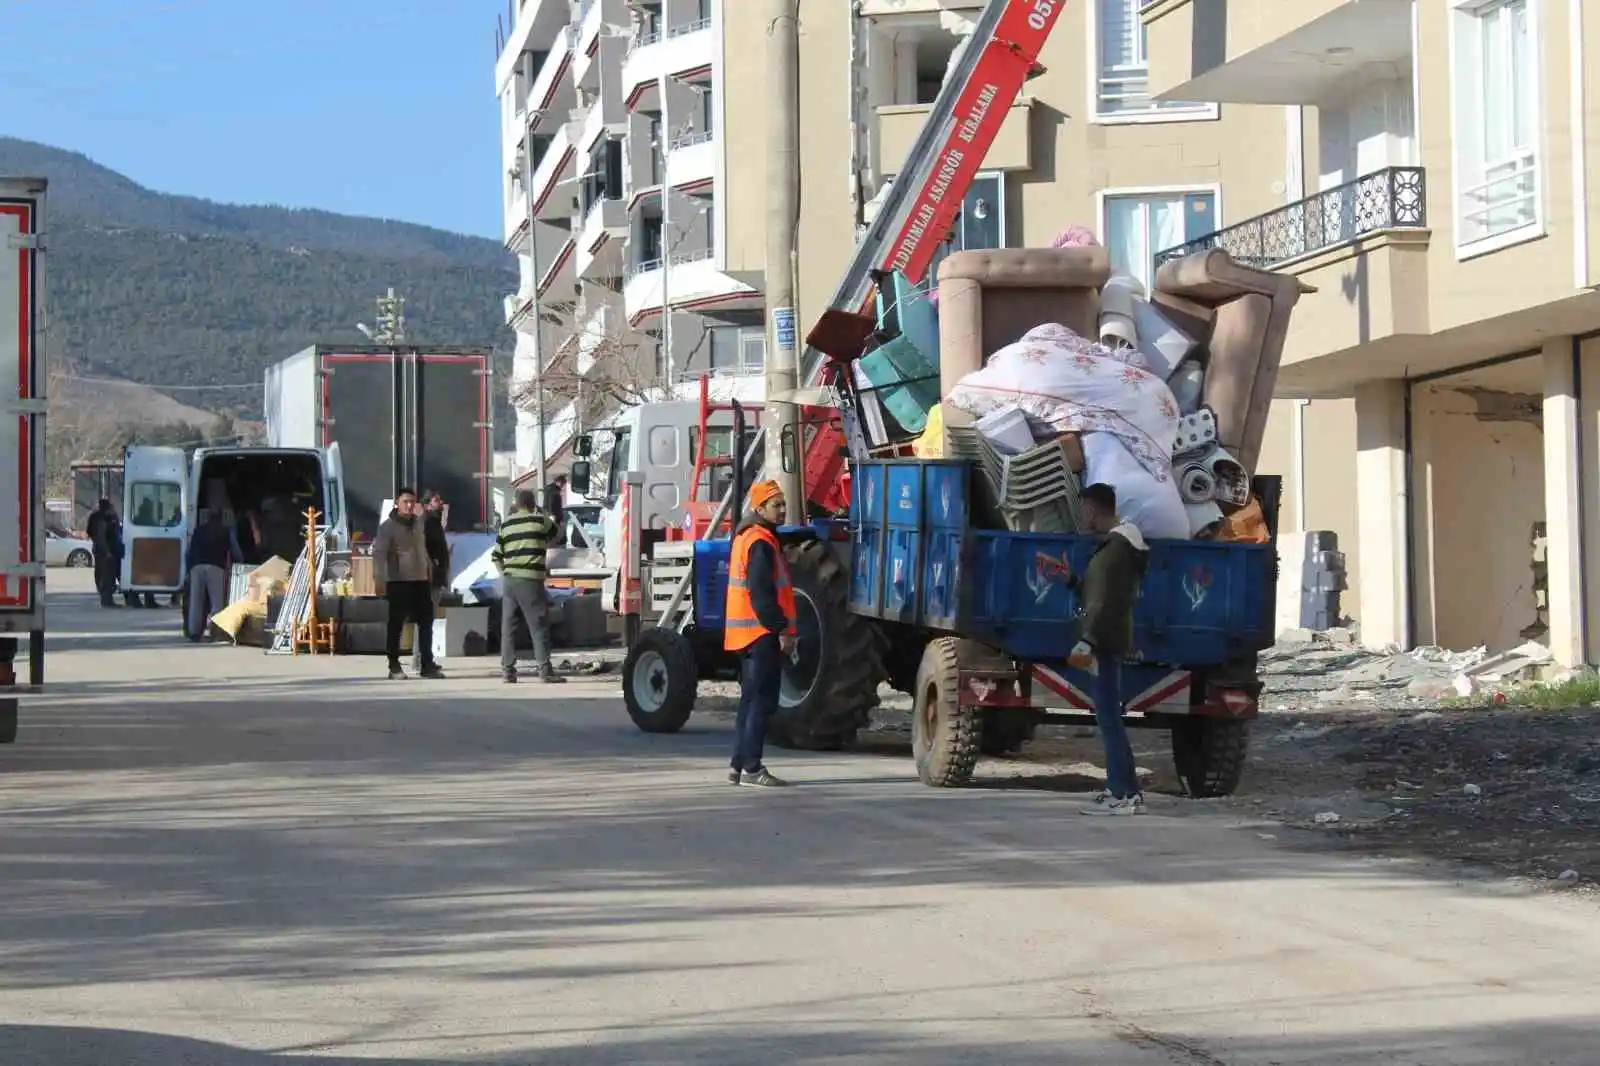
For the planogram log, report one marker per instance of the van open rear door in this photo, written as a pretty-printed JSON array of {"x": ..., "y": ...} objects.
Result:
[
  {"x": 155, "y": 518},
  {"x": 337, "y": 519}
]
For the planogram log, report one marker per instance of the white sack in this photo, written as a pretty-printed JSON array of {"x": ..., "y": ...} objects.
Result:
[
  {"x": 1148, "y": 502},
  {"x": 1074, "y": 385}
]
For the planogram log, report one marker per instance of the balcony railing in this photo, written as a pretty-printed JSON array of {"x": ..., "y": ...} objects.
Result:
[
  {"x": 690, "y": 27},
  {"x": 689, "y": 140},
  {"x": 1394, "y": 198}
]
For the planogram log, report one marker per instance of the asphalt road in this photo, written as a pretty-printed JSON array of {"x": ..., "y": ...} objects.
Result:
[{"x": 217, "y": 858}]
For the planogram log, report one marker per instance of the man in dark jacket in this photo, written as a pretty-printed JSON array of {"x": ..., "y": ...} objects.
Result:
[
  {"x": 213, "y": 548},
  {"x": 105, "y": 534},
  {"x": 402, "y": 574},
  {"x": 1107, "y": 591},
  {"x": 438, "y": 543},
  {"x": 759, "y": 627}
]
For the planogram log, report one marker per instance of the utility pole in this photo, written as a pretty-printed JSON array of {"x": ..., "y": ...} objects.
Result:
[
  {"x": 536, "y": 310},
  {"x": 663, "y": 147},
  {"x": 391, "y": 331},
  {"x": 783, "y": 219}
]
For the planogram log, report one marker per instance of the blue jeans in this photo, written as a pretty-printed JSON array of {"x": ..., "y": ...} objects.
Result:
[
  {"x": 1122, "y": 779},
  {"x": 760, "y": 674}
]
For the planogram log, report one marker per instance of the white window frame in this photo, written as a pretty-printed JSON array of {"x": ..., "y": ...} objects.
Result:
[
  {"x": 1467, "y": 249},
  {"x": 1212, "y": 189},
  {"x": 1157, "y": 112}
]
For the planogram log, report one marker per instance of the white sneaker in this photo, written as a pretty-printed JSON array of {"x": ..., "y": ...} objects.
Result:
[{"x": 1110, "y": 807}]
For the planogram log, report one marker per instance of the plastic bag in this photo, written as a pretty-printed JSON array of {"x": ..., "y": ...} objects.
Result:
[
  {"x": 1149, "y": 503},
  {"x": 1247, "y": 525},
  {"x": 931, "y": 444}
]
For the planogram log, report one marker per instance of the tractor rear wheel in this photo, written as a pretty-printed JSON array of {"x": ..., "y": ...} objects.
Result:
[
  {"x": 659, "y": 680},
  {"x": 830, "y": 683},
  {"x": 1209, "y": 754},
  {"x": 945, "y": 736}
]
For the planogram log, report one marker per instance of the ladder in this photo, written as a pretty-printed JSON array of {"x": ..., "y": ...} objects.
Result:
[{"x": 925, "y": 196}]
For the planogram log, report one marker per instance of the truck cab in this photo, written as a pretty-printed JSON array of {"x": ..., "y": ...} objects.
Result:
[{"x": 660, "y": 441}]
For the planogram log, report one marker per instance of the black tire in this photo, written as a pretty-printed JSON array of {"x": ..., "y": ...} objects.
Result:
[
  {"x": 945, "y": 736},
  {"x": 659, "y": 680},
  {"x": 831, "y": 685},
  {"x": 8, "y": 721},
  {"x": 78, "y": 559},
  {"x": 1005, "y": 732},
  {"x": 1209, "y": 754}
]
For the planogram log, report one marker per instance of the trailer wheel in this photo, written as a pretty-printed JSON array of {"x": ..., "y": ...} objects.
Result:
[
  {"x": 659, "y": 680},
  {"x": 1005, "y": 732},
  {"x": 830, "y": 685},
  {"x": 1209, "y": 754},
  {"x": 945, "y": 736}
]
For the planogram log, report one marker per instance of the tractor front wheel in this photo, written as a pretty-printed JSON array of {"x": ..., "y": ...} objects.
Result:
[{"x": 660, "y": 680}]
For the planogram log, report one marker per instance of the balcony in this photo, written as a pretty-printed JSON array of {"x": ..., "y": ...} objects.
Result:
[
  {"x": 516, "y": 220},
  {"x": 559, "y": 274},
  {"x": 551, "y": 80},
  {"x": 554, "y": 169},
  {"x": 600, "y": 239},
  {"x": 594, "y": 16},
  {"x": 598, "y": 336},
  {"x": 1363, "y": 248},
  {"x": 519, "y": 309},
  {"x": 685, "y": 51},
  {"x": 693, "y": 283},
  {"x": 692, "y": 161},
  {"x": 899, "y": 125},
  {"x": 1271, "y": 51}
]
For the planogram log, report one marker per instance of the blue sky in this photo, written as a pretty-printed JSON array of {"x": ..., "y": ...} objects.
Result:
[{"x": 369, "y": 107}]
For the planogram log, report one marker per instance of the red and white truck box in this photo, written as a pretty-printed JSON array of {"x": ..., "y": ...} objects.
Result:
[{"x": 22, "y": 409}]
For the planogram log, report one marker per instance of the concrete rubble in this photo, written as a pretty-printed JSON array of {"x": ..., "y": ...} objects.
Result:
[{"x": 1307, "y": 670}]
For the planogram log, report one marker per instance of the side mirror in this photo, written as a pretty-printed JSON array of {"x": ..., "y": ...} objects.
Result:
[
  {"x": 583, "y": 447},
  {"x": 578, "y": 476}
]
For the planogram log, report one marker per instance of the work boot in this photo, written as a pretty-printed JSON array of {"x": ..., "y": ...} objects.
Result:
[
  {"x": 433, "y": 672},
  {"x": 762, "y": 778},
  {"x": 548, "y": 676},
  {"x": 396, "y": 673},
  {"x": 509, "y": 676},
  {"x": 733, "y": 777}
]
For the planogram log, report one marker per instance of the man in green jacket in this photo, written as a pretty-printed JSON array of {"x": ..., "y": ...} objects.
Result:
[
  {"x": 520, "y": 551},
  {"x": 1107, "y": 591}
]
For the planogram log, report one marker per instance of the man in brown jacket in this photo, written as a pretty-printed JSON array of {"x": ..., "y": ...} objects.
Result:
[{"x": 401, "y": 571}]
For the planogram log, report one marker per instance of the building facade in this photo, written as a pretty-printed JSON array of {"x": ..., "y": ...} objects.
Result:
[{"x": 1435, "y": 408}]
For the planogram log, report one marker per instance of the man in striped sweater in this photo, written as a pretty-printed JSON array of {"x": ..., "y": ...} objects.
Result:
[{"x": 520, "y": 552}]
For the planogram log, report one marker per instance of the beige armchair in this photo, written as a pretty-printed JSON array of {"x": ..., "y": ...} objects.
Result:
[{"x": 1240, "y": 317}]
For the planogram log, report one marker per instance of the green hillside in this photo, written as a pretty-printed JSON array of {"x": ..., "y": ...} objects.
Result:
[{"x": 171, "y": 290}]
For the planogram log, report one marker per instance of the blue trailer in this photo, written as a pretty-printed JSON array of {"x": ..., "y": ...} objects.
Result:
[{"x": 976, "y": 624}]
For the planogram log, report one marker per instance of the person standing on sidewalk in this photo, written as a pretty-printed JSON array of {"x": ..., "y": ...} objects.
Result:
[
  {"x": 438, "y": 557},
  {"x": 520, "y": 551},
  {"x": 759, "y": 626},
  {"x": 1107, "y": 591},
  {"x": 402, "y": 574},
  {"x": 213, "y": 548},
  {"x": 105, "y": 536}
]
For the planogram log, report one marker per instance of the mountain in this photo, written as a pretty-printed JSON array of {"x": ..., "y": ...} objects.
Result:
[{"x": 180, "y": 293}]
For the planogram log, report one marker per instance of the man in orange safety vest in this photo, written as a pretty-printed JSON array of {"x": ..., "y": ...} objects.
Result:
[{"x": 760, "y": 628}]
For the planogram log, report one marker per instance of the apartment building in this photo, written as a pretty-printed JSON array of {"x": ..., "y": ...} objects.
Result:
[{"x": 1435, "y": 406}]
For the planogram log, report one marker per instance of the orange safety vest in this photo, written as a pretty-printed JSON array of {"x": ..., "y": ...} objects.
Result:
[{"x": 741, "y": 626}]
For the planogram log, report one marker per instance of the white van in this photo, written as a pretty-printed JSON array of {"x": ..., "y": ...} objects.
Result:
[{"x": 265, "y": 489}]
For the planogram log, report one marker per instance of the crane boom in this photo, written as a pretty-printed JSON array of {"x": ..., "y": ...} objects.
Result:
[{"x": 926, "y": 194}]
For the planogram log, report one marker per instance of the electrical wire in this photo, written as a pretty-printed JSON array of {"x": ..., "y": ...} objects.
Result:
[{"x": 161, "y": 388}]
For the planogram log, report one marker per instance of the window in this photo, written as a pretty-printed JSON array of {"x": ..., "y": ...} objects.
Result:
[
  {"x": 1122, "y": 82},
  {"x": 981, "y": 223},
  {"x": 155, "y": 504},
  {"x": 737, "y": 347},
  {"x": 1495, "y": 84},
  {"x": 604, "y": 179},
  {"x": 1136, "y": 227},
  {"x": 621, "y": 456}
]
